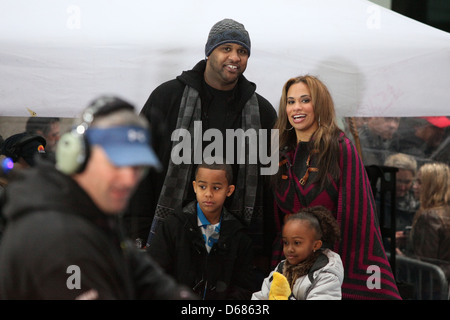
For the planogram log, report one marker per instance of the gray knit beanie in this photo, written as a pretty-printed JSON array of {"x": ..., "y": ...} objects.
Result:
[{"x": 225, "y": 31}]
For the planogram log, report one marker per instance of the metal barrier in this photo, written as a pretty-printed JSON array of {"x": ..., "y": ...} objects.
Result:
[{"x": 428, "y": 279}]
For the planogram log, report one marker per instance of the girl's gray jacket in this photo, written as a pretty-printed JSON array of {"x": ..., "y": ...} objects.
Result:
[{"x": 323, "y": 282}]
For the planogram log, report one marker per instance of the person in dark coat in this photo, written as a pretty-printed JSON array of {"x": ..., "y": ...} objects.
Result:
[
  {"x": 17, "y": 152},
  {"x": 204, "y": 246},
  {"x": 215, "y": 94},
  {"x": 63, "y": 238}
]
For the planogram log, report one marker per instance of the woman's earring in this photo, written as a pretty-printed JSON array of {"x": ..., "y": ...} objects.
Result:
[
  {"x": 289, "y": 129},
  {"x": 319, "y": 121}
]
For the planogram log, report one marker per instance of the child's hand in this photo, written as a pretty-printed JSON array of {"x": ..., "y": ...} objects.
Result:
[{"x": 279, "y": 290}]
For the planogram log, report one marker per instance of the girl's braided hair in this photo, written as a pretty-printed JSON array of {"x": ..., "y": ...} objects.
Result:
[{"x": 322, "y": 221}]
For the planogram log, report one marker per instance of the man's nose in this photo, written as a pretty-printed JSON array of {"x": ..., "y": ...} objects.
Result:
[{"x": 234, "y": 55}]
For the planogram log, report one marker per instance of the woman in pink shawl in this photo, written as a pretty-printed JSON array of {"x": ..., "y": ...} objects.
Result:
[{"x": 319, "y": 165}]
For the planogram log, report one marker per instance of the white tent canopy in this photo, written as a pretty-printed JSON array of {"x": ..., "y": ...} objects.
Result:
[{"x": 57, "y": 55}]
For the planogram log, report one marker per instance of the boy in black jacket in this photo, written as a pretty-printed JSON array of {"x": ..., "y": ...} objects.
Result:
[{"x": 204, "y": 246}]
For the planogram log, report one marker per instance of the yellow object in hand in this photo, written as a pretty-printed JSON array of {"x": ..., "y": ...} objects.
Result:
[{"x": 279, "y": 290}]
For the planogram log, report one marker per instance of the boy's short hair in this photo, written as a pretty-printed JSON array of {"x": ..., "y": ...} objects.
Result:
[{"x": 217, "y": 166}]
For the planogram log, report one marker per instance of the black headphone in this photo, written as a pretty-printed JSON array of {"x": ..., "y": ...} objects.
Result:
[
  {"x": 72, "y": 151},
  {"x": 14, "y": 151}
]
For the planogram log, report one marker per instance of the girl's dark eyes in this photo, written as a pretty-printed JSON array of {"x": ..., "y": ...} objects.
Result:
[{"x": 295, "y": 243}]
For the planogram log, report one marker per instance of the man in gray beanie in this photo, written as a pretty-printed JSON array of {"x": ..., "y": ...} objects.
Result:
[{"x": 216, "y": 94}]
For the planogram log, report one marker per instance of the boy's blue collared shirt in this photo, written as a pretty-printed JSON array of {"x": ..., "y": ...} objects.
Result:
[{"x": 210, "y": 231}]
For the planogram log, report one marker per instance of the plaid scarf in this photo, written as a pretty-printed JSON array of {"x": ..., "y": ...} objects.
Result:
[{"x": 177, "y": 180}]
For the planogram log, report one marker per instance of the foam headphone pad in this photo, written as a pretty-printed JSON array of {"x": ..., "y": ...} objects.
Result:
[{"x": 71, "y": 153}]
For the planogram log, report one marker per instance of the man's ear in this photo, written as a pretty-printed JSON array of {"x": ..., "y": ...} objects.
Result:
[
  {"x": 231, "y": 188},
  {"x": 195, "y": 186}
]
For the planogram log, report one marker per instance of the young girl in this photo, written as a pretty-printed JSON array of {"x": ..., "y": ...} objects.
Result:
[{"x": 311, "y": 271}]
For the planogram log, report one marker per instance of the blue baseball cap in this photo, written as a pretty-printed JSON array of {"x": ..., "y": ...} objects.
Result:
[{"x": 125, "y": 145}]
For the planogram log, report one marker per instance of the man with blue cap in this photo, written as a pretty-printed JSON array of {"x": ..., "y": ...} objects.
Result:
[{"x": 63, "y": 236}]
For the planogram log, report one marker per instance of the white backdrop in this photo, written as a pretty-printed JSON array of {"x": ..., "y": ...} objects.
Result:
[{"x": 57, "y": 55}]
